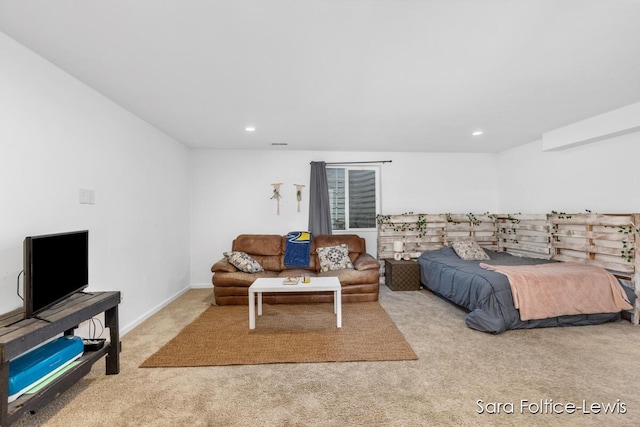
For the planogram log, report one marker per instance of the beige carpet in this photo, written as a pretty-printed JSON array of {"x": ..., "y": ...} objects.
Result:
[
  {"x": 285, "y": 333},
  {"x": 456, "y": 367}
]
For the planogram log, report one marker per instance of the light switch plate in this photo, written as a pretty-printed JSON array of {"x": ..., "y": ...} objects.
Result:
[{"x": 87, "y": 196}]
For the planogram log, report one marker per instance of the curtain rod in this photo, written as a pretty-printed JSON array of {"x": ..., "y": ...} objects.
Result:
[{"x": 353, "y": 163}]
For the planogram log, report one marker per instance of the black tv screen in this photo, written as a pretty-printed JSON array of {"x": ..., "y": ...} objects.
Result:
[{"x": 55, "y": 267}]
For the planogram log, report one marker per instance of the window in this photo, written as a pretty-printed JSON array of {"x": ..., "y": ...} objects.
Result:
[{"x": 354, "y": 194}]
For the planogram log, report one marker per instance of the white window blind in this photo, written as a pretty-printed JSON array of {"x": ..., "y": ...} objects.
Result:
[{"x": 354, "y": 197}]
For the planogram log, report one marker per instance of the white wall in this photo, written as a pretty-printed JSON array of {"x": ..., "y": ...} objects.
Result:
[
  {"x": 231, "y": 190},
  {"x": 164, "y": 214},
  {"x": 600, "y": 176},
  {"x": 57, "y": 136}
]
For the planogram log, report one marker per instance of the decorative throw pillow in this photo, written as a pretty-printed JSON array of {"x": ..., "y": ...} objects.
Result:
[
  {"x": 243, "y": 262},
  {"x": 469, "y": 250},
  {"x": 334, "y": 257}
]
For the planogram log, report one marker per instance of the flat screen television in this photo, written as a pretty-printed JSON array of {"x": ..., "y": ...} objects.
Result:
[{"x": 55, "y": 267}]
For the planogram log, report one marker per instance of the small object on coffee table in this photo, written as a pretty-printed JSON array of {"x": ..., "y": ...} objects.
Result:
[{"x": 291, "y": 281}]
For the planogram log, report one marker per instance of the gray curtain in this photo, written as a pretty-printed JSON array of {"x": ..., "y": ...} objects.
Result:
[{"x": 319, "y": 205}]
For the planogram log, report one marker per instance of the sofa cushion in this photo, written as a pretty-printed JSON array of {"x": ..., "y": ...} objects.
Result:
[
  {"x": 269, "y": 262},
  {"x": 349, "y": 277},
  {"x": 224, "y": 266},
  {"x": 243, "y": 262},
  {"x": 366, "y": 262},
  {"x": 239, "y": 279},
  {"x": 258, "y": 244},
  {"x": 334, "y": 257},
  {"x": 353, "y": 241}
]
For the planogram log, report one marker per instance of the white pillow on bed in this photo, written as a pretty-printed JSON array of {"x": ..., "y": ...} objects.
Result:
[{"x": 469, "y": 250}]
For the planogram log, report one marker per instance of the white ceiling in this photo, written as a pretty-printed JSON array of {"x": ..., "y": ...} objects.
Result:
[{"x": 353, "y": 75}]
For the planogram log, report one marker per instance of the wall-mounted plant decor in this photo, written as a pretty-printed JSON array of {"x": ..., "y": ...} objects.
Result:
[
  {"x": 418, "y": 226},
  {"x": 298, "y": 194},
  {"x": 276, "y": 195},
  {"x": 626, "y": 252}
]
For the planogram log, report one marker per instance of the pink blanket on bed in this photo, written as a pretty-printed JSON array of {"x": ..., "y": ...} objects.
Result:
[{"x": 564, "y": 288}]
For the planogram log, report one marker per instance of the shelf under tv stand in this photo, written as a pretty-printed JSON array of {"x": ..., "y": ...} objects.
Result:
[{"x": 18, "y": 335}]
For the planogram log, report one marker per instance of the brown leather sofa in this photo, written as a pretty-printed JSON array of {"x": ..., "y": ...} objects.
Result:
[{"x": 360, "y": 283}]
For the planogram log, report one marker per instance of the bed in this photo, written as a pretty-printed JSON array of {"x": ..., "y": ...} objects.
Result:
[{"x": 487, "y": 295}]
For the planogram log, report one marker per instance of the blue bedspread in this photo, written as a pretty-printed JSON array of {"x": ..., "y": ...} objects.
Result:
[{"x": 487, "y": 294}]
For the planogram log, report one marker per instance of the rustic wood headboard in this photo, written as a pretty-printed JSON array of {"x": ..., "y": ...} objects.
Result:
[{"x": 609, "y": 241}]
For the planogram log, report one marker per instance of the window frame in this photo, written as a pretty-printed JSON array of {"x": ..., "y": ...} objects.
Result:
[{"x": 347, "y": 167}]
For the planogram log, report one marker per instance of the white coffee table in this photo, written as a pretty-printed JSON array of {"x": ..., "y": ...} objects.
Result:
[{"x": 274, "y": 284}]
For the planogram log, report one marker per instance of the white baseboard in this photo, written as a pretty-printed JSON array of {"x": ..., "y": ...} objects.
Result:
[{"x": 202, "y": 286}]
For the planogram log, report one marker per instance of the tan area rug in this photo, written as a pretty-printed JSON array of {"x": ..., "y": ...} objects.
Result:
[{"x": 285, "y": 333}]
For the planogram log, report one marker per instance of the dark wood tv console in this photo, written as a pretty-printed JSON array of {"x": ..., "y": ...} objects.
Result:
[{"x": 18, "y": 335}]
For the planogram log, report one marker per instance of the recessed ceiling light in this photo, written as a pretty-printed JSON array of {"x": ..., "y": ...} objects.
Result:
[
  {"x": 250, "y": 129},
  {"x": 279, "y": 143},
  {"x": 476, "y": 133}
]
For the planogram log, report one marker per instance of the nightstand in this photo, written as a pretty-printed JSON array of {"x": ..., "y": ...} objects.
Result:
[{"x": 402, "y": 275}]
